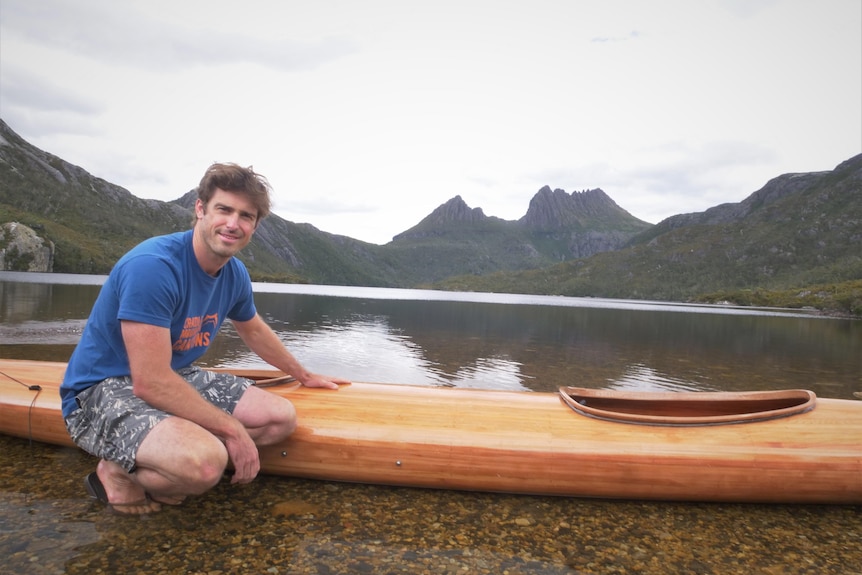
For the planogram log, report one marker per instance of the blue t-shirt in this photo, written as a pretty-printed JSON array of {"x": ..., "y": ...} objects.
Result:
[{"x": 158, "y": 282}]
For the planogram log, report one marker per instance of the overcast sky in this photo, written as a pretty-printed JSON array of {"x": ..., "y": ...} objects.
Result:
[{"x": 366, "y": 115}]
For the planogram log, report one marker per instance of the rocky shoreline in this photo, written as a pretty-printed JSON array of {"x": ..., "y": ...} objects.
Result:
[{"x": 282, "y": 525}]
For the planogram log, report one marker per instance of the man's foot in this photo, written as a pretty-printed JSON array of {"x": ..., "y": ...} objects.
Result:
[
  {"x": 167, "y": 499},
  {"x": 111, "y": 485}
]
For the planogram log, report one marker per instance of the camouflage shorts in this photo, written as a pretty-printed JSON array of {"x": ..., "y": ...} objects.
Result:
[{"x": 111, "y": 422}]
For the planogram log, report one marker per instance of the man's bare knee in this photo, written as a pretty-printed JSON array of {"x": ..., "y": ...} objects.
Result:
[
  {"x": 204, "y": 468},
  {"x": 178, "y": 456},
  {"x": 268, "y": 418}
]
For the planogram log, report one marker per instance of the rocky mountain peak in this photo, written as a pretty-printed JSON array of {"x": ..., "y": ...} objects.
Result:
[
  {"x": 454, "y": 211},
  {"x": 556, "y": 210}
]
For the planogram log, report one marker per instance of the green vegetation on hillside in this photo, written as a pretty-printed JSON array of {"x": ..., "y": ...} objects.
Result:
[
  {"x": 801, "y": 234},
  {"x": 797, "y": 242},
  {"x": 843, "y": 298}
]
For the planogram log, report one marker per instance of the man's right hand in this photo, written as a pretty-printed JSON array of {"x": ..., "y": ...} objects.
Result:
[{"x": 243, "y": 454}]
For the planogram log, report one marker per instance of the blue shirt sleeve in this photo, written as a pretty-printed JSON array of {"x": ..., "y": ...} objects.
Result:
[
  {"x": 147, "y": 291},
  {"x": 244, "y": 309}
]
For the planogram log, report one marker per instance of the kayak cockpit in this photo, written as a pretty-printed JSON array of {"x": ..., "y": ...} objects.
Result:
[{"x": 687, "y": 408}]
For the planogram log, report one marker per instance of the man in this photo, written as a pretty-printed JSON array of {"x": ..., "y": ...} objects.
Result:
[{"x": 163, "y": 428}]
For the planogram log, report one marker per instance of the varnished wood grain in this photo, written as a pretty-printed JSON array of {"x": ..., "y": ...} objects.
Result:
[
  {"x": 520, "y": 442},
  {"x": 688, "y": 408}
]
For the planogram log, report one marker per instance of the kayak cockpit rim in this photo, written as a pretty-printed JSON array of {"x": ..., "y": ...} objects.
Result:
[{"x": 687, "y": 408}]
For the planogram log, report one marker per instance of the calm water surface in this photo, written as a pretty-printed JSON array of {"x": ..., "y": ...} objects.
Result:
[
  {"x": 530, "y": 343},
  {"x": 489, "y": 340}
]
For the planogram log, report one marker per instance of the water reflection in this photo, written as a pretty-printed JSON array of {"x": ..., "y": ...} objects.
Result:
[
  {"x": 507, "y": 342},
  {"x": 25, "y": 301},
  {"x": 283, "y": 525},
  {"x": 366, "y": 346},
  {"x": 644, "y": 378}
]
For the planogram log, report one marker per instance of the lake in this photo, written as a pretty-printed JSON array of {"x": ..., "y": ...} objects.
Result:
[
  {"x": 500, "y": 341},
  {"x": 424, "y": 337}
]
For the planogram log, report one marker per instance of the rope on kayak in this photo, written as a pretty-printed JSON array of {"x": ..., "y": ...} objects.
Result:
[{"x": 38, "y": 390}]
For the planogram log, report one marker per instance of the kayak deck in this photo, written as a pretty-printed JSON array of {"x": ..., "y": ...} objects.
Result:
[{"x": 521, "y": 442}]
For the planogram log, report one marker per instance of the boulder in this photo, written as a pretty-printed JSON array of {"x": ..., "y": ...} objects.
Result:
[{"x": 21, "y": 249}]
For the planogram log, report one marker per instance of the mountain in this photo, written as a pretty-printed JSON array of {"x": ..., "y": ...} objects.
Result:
[
  {"x": 774, "y": 190},
  {"x": 798, "y": 230},
  {"x": 557, "y": 227},
  {"x": 93, "y": 222},
  {"x": 304, "y": 253},
  {"x": 800, "y": 233},
  {"x": 580, "y": 224},
  {"x": 451, "y": 215}
]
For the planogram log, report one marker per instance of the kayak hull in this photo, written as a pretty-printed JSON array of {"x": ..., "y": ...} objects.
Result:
[{"x": 518, "y": 442}]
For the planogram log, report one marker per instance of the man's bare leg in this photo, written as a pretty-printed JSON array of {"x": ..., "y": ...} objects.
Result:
[
  {"x": 123, "y": 493},
  {"x": 268, "y": 418},
  {"x": 178, "y": 458}
]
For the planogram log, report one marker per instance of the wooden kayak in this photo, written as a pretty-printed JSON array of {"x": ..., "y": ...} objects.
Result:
[{"x": 778, "y": 447}]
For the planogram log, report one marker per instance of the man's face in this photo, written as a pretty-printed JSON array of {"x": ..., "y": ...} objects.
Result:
[{"x": 226, "y": 223}]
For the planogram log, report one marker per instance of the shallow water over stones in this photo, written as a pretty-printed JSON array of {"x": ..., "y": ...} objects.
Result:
[
  {"x": 289, "y": 526},
  {"x": 281, "y": 525}
]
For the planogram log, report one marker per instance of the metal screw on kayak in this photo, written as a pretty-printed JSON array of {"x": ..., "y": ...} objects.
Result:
[
  {"x": 398, "y": 463},
  {"x": 284, "y": 453}
]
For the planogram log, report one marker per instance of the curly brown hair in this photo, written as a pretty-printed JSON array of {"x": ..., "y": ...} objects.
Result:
[{"x": 237, "y": 179}]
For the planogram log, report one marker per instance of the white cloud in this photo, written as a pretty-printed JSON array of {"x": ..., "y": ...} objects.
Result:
[{"x": 171, "y": 36}]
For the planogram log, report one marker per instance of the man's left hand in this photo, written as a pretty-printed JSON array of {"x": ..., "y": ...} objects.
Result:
[{"x": 314, "y": 380}]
